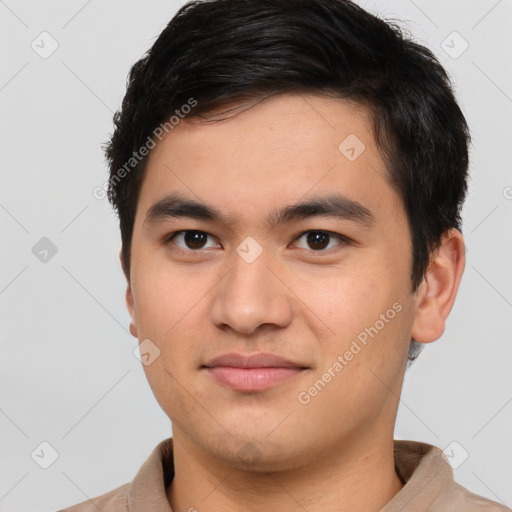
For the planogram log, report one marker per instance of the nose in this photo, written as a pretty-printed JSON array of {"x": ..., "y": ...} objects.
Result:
[{"x": 250, "y": 296}]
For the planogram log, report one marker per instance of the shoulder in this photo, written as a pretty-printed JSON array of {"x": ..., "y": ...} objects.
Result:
[
  {"x": 457, "y": 497},
  {"x": 112, "y": 501},
  {"x": 429, "y": 483},
  {"x": 147, "y": 491}
]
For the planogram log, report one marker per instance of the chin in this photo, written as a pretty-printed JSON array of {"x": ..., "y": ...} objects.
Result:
[{"x": 246, "y": 453}]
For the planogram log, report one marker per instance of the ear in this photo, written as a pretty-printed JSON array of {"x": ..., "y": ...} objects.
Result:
[
  {"x": 129, "y": 297},
  {"x": 436, "y": 293}
]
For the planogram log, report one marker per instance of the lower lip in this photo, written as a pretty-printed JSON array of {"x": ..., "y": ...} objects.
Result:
[{"x": 252, "y": 379}]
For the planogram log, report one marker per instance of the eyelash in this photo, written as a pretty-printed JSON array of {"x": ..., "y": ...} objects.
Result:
[{"x": 343, "y": 239}]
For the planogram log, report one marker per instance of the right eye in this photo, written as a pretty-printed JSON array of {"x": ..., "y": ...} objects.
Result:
[{"x": 190, "y": 240}]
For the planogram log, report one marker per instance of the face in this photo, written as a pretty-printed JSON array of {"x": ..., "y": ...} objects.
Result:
[{"x": 278, "y": 306}]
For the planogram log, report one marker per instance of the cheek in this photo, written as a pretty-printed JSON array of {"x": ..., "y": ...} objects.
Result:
[
  {"x": 162, "y": 298},
  {"x": 169, "y": 308},
  {"x": 364, "y": 309},
  {"x": 351, "y": 298}
]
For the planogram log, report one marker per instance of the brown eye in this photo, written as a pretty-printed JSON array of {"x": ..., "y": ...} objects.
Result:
[
  {"x": 191, "y": 240},
  {"x": 318, "y": 240},
  {"x": 195, "y": 239}
]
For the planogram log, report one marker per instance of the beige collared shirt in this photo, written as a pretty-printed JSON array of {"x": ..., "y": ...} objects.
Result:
[{"x": 428, "y": 478}]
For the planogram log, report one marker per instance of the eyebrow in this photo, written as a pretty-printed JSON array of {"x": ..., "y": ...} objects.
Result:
[{"x": 332, "y": 205}]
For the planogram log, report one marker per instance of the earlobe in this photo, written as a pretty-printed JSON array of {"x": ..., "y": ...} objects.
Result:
[{"x": 436, "y": 293}]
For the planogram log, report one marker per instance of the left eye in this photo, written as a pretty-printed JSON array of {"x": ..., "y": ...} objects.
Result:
[
  {"x": 191, "y": 239},
  {"x": 320, "y": 240}
]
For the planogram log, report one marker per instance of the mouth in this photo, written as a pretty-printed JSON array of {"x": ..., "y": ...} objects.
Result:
[{"x": 254, "y": 372}]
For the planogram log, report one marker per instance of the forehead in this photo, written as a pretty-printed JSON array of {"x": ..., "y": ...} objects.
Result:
[{"x": 277, "y": 151}]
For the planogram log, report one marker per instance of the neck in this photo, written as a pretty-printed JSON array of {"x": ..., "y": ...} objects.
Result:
[{"x": 360, "y": 479}]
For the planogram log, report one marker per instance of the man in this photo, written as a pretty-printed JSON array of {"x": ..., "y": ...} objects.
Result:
[{"x": 289, "y": 176}]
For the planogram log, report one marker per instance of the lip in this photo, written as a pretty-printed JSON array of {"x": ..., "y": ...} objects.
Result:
[
  {"x": 255, "y": 360},
  {"x": 252, "y": 372}
]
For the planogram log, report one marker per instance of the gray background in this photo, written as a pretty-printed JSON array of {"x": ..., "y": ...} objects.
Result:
[{"x": 68, "y": 373}]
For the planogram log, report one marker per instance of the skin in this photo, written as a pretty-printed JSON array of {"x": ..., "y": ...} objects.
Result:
[{"x": 336, "y": 451}]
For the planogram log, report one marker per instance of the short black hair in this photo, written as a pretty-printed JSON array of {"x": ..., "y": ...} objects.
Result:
[{"x": 219, "y": 52}]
